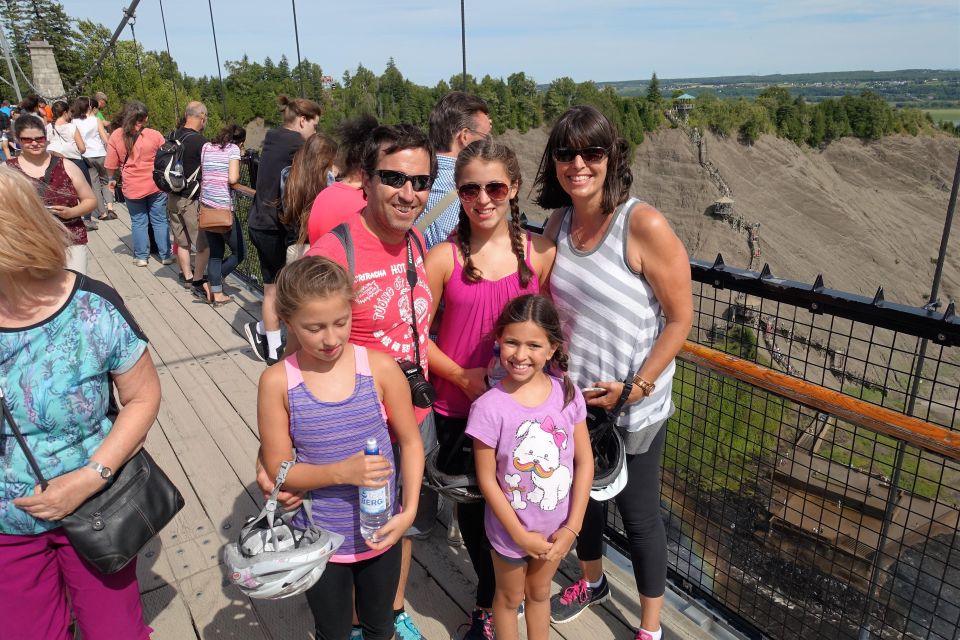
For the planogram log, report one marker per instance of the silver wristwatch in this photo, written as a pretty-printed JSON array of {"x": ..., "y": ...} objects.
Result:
[{"x": 105, "y": 472}]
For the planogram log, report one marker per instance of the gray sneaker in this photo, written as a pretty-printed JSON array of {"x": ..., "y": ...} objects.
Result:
[{"x": 567, "y": 605}]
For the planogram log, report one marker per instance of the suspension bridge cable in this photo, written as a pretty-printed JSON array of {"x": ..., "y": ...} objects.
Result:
[
  {"x": 136, "y": 49},
  {"x": 296, "y": 35},
  {"x": 173, "y": 74},
  {"x": 127, "y": 15},
  {"x": 216, "y": 52},
  {"x": 463, "y": 44}
]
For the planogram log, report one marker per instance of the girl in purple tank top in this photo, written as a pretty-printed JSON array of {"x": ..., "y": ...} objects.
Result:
[
  {"x": 325, "y": 401},
  {"x": 488, "y": 261}
]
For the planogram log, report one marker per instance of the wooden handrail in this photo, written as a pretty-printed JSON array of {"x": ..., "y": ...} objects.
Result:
[{"x": 911, "y": 430}]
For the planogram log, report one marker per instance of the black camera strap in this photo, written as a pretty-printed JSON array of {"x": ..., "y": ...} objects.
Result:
[{"x": 412, "y": 281}]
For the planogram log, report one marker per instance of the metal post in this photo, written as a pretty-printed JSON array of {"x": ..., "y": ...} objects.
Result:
[
  {"x": 463, "y": 44},
  {"x": 917, "y": 373},
  {"x": 296, "y": 36},
  {"x": 6, "y": 55}
]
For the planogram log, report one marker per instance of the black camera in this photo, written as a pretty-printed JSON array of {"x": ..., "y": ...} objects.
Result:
[{"x": 424, "y": 395}]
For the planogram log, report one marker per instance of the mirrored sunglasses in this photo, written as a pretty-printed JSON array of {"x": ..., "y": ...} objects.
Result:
[{"x": 495, "y": 191}]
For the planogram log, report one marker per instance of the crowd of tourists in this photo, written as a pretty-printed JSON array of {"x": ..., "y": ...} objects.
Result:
[{"x": 415, "y": 333}]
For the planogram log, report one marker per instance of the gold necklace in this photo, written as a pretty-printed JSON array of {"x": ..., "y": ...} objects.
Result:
[{"x": 579, "y": 241}]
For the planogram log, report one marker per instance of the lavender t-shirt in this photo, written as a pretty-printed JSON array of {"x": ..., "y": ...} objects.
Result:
[{"x": 534, "y": 449}]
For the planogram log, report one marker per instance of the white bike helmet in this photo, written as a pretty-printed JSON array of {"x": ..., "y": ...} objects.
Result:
[
  {"x": 609, "y": 456},
  {"x": 273, "y": 559}
]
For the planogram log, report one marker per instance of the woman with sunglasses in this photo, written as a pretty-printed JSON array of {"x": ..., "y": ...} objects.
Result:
[
  {"x": 619, "y": 266},
  {"x": 487, "y": 262},
  {"x": 60, "y": 184}
]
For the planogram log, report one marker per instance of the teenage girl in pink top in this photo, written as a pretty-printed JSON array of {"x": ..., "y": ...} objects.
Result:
[{"x": 487, "y": 262}]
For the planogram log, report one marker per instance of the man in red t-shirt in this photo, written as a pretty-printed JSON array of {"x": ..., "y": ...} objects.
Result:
[{"x": 398, "y": 171}]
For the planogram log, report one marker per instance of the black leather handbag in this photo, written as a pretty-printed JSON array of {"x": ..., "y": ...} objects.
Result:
[{"x": 112, "y": 526}]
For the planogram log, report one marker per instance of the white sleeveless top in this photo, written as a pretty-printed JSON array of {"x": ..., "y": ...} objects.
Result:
[
  {"x": 91, "y": 137},
  {"x": 60, "y": 140},
  {"x": 610, "y": 317}
]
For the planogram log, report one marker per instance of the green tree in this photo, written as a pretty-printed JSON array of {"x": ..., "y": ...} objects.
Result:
[{"x": 653, "y": 91}]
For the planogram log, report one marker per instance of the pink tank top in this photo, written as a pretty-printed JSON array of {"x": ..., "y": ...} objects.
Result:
[{"x": 470, "y": 312}]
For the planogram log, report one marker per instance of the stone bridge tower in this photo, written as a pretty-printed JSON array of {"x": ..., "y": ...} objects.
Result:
[{"x": 46, "y": 75}]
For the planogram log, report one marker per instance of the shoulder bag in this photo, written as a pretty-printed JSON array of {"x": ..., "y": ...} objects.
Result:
[{"x": 112, "y": 526}]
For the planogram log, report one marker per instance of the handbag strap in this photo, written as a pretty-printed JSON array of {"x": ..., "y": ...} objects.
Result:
[
  {"x": 20, "y": 440},
  {"x": 431, "y": 216}
]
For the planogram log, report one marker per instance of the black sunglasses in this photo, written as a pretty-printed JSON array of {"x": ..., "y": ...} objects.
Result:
[
  {"x": 396, "y": 179},
  {"x": 495, "y": 191},
  {"x": 589, "y": 154}
]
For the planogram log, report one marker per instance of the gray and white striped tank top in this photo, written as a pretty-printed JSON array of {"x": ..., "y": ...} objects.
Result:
[{"x": 610, "y": 316}]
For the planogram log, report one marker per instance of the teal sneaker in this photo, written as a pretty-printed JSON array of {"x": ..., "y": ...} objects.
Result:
[
  {"x": 406, "y": 628},
  {"x": 356, "y": 633}
]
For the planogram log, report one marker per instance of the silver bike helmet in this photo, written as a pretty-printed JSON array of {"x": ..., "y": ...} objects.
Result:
[
  {"x": 272, "y": 559},
  {"x": 452, "y": 474}
]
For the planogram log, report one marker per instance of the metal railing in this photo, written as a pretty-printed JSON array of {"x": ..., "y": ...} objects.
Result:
[{"x": 800, "y": 499}]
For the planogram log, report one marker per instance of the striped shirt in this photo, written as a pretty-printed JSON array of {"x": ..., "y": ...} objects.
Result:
[
  {"x": 440, "y": 230},
  {"x": 328, "y": 432},
  {"x": 215, "y": 175},
  {"x": 610, "y": 316}
]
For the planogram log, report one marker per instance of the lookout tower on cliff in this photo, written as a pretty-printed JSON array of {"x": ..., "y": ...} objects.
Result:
[{"x": 683, "y": 104}]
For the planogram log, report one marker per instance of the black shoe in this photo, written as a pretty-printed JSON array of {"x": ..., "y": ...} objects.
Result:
[
  {"x": 258, "y": 342},
  {"x": 198, "y": 291},
  {"x": 574, "y": 600}
]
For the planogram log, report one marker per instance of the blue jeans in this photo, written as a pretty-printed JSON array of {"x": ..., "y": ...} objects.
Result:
[
  {"x": 153, "y": 209},
  {"x": 217, "y": 267}
]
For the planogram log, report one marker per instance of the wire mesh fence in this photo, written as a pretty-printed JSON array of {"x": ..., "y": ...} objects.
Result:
[{"x": 795, "y": 523}]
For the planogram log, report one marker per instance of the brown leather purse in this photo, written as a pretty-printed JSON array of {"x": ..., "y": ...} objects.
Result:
[{"x": 216, "y": 220}]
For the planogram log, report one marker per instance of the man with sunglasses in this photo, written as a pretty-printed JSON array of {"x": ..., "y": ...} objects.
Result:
[
  {"x": 399, "y": 167},
  {"x": 456, "y": 120}
]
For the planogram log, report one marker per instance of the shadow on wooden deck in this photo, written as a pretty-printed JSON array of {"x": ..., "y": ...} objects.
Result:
[{"x": 205, "y": 438}]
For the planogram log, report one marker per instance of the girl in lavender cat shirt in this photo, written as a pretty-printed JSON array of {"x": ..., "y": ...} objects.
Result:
[{"x": 533, "y": 462}]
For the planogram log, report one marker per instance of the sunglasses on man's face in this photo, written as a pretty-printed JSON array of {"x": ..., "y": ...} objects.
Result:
[
  {"x": 495, "y": 191},
  {"x": 397, "y": 179},
  {"x": 37, "y": 140},
  {"x": 589, "y": 154}
]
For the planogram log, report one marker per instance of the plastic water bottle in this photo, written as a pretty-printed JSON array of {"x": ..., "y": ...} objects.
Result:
[
  {"x": 177, "y": 169},
  {"x": 374, "y": 503},
  {"x": 495, "y": 370}
]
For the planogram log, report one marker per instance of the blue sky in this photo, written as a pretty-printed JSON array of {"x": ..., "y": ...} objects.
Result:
[{"x": 586, "y": 40}]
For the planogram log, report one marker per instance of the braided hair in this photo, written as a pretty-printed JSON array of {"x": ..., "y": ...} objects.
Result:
[{"x": 488, "y": 150}]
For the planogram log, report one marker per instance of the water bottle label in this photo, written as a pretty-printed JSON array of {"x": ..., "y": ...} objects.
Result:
[{"x": 373, "y": 501}]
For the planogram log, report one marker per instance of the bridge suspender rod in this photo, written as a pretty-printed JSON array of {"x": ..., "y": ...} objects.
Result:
[
  {"x": 880, "y": 419},
  {"x": 296, "y": 35},
  {"x": 136, "y": 49},
  {"x": 463, "y": 44},
  {"x": 173, "y": 73},
  {"x": 216, "y": 52}
]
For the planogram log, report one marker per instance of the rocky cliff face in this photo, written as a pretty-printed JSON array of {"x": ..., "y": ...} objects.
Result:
[{"x": 864, "y": 214}]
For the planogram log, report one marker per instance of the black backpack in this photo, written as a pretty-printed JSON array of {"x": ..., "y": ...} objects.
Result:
[{"x": 168, "y": 168}]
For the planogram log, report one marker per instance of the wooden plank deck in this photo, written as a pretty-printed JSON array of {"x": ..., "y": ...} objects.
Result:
[{"x": 205, "y": 438}]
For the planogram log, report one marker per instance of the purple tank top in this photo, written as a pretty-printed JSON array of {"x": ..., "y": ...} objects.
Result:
[
  {"x": 327, "y": 432},
  {"x": 470, "y": 312}
]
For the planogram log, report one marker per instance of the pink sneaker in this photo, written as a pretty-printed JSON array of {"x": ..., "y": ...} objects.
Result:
[{"x": 644, "y": 635}]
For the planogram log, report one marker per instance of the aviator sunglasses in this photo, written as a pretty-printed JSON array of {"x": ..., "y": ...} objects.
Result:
[
  {"x": 589, "y": 154},
  {"x": 27, "y": 140},
  {"x": 495, "y": 191},
  {"x": 396, "y": 179}
]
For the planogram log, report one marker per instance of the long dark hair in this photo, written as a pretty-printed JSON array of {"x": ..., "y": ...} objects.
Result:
[
  {"x": 80, "y": 107},
  {"x": 307, "y": 178},
  {"x": 133, "y": 114},
  {"x": 585, "y": 126},
  {"x": 488, "y": 150},
  {"x": 540, "y": 310}
]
